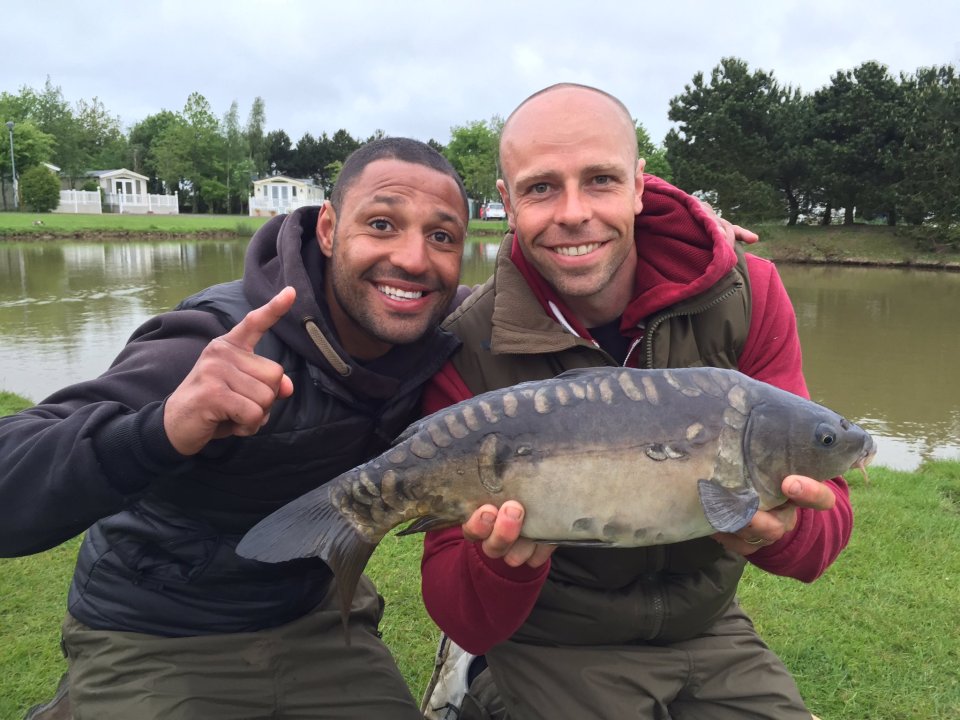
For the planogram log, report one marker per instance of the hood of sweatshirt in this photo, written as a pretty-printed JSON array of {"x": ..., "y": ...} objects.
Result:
[
  {"x": 285, "y": 252},
  {"x": 681, "y": 252}
]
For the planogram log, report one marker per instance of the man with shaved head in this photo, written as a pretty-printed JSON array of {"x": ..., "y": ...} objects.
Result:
[{"x": 608, "y": 266}]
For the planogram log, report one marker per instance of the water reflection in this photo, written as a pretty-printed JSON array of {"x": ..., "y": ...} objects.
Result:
[
  {"x": 67, "y": 308},
  {"x": 880, "y": 345}
]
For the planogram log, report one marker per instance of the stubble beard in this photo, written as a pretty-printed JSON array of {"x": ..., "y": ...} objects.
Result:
[{"x": 355, "y": 303}]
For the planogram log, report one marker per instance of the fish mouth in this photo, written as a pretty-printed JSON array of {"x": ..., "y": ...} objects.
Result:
[{"x": 866, "y": 457}]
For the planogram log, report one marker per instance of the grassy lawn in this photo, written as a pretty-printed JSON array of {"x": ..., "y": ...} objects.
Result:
[
  {"x": 876, "y": 637},
  {"x": 857, "y": 244},
  {"x": 21, "y": 225}
]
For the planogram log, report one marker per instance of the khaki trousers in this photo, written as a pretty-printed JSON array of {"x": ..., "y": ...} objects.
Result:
[
  {"x": 726, "y": 674},
  {"x": 300, "y": 670}
]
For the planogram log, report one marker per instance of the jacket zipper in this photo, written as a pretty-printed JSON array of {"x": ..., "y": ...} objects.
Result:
[
  {"x": 657, "y": 600},
  {"x": 648, "y": 333}
]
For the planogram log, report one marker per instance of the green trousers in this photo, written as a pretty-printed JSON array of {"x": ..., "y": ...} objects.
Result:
[
  {"x": 300, "y": 670},
  {"x": 727, "y": 673}
]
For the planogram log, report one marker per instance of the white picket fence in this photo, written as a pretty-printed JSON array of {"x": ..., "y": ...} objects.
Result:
[
  {"x": 141, "y": 204},
  {"x": 86, "y": 201},
  {"x": 79, "y": 201}
]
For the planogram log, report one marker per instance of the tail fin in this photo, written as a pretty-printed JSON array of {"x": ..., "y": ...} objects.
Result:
[{"x": 311, "y": 526}]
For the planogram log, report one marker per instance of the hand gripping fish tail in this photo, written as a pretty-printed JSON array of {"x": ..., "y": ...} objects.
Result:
[{"x": 311, "y": 526}]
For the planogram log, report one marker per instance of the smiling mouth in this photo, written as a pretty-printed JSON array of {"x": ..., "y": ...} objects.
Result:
[
  {"x": 398, "y": 294},
  {"x": 576, "y": 250}
]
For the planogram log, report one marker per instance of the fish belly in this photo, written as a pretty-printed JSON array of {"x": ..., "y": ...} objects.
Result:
[{"x": 625, "y": 504}]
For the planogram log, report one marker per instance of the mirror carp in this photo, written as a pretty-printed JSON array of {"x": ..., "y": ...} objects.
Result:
[{"x": 607, "y": 456}]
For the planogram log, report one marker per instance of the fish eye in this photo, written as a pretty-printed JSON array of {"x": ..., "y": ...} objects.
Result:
[{"x": 826, "y": 436}]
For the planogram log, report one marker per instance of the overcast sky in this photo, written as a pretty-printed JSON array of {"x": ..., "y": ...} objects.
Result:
[{"x": 417, "y": 68}]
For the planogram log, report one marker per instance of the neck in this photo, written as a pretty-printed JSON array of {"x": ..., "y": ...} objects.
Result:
[{"x": 609, "y": 303}]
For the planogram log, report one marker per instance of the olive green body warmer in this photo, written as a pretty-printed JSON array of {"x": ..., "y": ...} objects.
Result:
[{"x": 593, "y": 596}]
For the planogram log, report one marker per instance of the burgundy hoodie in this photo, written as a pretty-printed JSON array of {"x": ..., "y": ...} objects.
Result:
[{"x": 479, "y": 601}]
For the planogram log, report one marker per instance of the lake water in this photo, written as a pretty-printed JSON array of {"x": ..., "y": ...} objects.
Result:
[{"x": 880, "y": 346}]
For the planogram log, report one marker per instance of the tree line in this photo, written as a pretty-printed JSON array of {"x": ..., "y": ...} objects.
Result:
[{"x": 867, "y": 146}]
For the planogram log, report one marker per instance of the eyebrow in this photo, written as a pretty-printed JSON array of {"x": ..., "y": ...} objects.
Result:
[
  {"x": 396, "y": 201},
  {"x": 536, "y": 176},
  {"x": 387, "y": 200}
]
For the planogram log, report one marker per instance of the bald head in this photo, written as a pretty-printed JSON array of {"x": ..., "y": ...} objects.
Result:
[{"x": 564, "y": 105}]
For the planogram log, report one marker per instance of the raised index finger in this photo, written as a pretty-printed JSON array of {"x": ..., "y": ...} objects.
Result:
[{"x": 247, "y": 333}]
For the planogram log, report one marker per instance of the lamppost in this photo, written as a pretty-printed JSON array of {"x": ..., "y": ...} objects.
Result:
[{"x": 13, "y": 168}]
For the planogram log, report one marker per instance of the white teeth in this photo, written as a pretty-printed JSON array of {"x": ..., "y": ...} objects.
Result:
[
  {"x": 400, "y": 294},
  {"x": 577, "y": 250}
]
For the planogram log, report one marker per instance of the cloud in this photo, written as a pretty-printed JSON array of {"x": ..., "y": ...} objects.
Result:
[{"x": 420, "y": 68}]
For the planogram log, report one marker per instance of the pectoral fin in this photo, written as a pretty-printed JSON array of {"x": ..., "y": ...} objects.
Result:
[
  {"x": 426, "y": 524},
  {"x": 727, "y": 510}
]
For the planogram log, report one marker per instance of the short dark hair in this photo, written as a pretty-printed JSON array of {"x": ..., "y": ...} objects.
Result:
[{"x": 392, "y": 148}]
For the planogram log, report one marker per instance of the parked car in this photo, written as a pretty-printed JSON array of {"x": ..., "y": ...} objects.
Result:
[{"x": 494, "y": 211}]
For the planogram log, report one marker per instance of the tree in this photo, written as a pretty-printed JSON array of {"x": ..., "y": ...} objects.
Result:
[
  {"x": 169, "y": 155},
  {"x": 40, "y": 189},
  {"x": 52, "y": 114},
  {"x": 189, "y": 156},
  {"x": 474, "y": 153},
  {"x": 307, "y": 161},
  {"x": 279, "y": 152},
  {"x": 140, "y": 148},
  {"x": 656, "y": 157},
  {"x": 857, "y": 140},
  {"x": 31, "y": 147},
  {"x": 237, "y": 163},
  {"x": 101, "y": 140},
  {"x": 930, "y": 188},
  {"x": 342, "y": 144},
  {"x": 333, "y": 151},
  {"x": 732, "y": 140},
  {"x": 254, "y": 129}
]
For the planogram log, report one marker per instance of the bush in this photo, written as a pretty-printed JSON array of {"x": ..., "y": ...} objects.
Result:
[{"x": 40, "y": 189}]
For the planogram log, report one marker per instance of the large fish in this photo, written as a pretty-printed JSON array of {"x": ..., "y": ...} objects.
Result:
[{"x": 604, "y": 456}]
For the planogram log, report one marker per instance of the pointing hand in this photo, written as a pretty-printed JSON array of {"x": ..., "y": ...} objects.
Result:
[{"x": 230, "y": 390}]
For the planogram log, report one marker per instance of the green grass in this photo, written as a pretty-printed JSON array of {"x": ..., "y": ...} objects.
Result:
[
  {"x": 11, "y": 403},
  {"x": 878, "y": 635},
  {"x": 876, "y": 638},
  {"x": 487, "y": 227},
  {"x": 856, "y": 244},
  {"x": 21, "y": 225}
]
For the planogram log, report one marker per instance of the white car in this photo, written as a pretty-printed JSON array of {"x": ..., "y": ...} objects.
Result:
[{"x": 494, "y": 211}]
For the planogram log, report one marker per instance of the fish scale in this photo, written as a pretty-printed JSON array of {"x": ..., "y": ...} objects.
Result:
[{"x": 604, "y": 456}]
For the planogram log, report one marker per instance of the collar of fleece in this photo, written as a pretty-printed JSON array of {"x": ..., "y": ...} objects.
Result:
[{"x": 681, "y": 252}]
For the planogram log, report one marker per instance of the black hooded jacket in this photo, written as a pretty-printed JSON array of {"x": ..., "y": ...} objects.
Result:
[{"x": 158, "y": 556}]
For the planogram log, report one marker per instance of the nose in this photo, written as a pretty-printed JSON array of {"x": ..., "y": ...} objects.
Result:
[
  {"x": 411, "y": 254},
  {"x": 573, "y": 208}
]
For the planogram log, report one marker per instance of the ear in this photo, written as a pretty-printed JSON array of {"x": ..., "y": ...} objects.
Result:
[
  {"x": 326, "y": 223},
  {"x": 638, "y": 197},
  {"x": 505, "y": 197}
]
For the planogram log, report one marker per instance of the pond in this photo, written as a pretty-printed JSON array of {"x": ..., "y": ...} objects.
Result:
[{"x": 880, "y": 345}]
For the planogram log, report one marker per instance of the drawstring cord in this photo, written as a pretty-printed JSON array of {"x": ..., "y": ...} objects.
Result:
[{"x": 325, "y": 348}]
